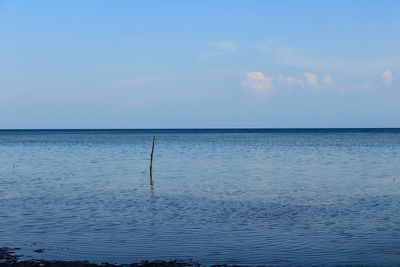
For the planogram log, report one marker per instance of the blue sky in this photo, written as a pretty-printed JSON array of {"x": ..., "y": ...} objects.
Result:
[{"x": 199, "y": 64}]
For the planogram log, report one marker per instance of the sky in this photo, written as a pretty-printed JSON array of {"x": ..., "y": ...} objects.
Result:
[{"x": 199, "y": 64}]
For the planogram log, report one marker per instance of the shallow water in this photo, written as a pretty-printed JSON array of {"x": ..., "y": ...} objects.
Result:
[{"x": 218, "y": 196}]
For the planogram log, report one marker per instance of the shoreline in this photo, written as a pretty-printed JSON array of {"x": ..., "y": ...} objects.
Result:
[{"x": 9, "y": 258}]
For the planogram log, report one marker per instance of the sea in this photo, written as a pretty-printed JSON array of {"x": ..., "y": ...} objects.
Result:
[{"x": 215, "y": 196}]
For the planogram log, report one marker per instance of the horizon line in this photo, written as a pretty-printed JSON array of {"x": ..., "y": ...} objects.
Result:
[{"x": 205, "y": 128}]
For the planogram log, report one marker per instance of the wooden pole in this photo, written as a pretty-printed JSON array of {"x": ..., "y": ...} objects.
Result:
[{"x": 151, "y": 157}]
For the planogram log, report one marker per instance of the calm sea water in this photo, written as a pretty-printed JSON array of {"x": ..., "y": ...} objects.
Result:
[{"x": 218, "y": 196}]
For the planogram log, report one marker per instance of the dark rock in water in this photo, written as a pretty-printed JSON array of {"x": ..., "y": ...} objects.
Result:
[
  {"x": 7, "y": 255},
  {"x": 9, "y": 259},
  {"x": 44, "y": 263}
]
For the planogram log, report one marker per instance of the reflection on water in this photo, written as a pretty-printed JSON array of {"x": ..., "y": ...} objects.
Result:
[
  {"x": 257, "y": 197},
  {"x": 151, "y": 184}
]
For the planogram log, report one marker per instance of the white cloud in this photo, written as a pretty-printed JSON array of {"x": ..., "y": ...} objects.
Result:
[
  {"x": 258, "y": 82},
  {"x": 311, "y": 78},
  {"x": 328, "y": 80},
  {"x": 288, "y": 80},
  {"x": 218, "y": 48},
  {"x": 291, "y": 80},
  {"x": 387, "y": 77}
]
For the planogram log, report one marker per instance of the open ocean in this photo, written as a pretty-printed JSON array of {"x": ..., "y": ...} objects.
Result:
[{"x": 236, "y": 196}]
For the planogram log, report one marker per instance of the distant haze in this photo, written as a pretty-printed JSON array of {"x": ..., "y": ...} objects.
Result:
[{"x": 199, "y": 64}]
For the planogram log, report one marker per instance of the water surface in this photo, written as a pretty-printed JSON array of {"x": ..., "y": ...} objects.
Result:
[{"x": 249, "y": 196}]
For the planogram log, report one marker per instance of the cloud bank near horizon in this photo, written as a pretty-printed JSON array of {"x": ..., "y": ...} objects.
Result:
[{"x": 258, "y": 81}]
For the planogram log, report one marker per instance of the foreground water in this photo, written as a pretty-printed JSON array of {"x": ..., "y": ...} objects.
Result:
[{"x": 218, "y": 196}]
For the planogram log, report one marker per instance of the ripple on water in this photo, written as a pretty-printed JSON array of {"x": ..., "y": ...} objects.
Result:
[{"x": 244, "y": 198}]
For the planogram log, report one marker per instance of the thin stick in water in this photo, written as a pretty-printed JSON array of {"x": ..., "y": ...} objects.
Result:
[{"x": 151, "y": 156}]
